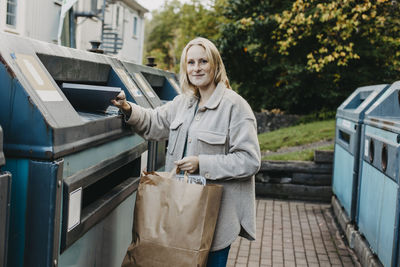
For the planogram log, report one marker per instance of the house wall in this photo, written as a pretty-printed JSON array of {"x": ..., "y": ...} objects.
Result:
[
  {"x": 41, "y": 22},
  {"x": 90, "y": 29},
  {"x": 132, "y": 48},
  {"x": 39, "y": 19},
  {"x": 87, "y": 29}
]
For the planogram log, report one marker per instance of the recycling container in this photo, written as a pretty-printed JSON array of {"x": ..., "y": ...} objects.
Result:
[
  {"x": 378, "y": 199},
  {"x": 349, "y": 119},
  {"x": 5, "y": 191},
  {"x": 160, "y": 87},
  {"x": 75, "y": 163},
  {"x": 164, "y": 83}
]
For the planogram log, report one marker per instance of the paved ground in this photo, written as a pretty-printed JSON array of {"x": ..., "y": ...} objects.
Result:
[{"x": 293, "y": 233}]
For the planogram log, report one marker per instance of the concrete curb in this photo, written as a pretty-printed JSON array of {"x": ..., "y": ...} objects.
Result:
[{"x": 356, "y": 241}]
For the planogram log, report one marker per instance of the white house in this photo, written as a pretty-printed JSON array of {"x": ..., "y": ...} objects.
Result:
[
  {"x": 36, "y": 19},
  {"x": 118, "y": 23}
]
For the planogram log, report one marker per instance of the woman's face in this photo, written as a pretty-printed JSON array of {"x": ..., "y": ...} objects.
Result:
[{"x": 198, "y": 67}]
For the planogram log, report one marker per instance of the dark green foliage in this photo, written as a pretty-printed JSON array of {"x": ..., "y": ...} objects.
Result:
[{"x": 269, "y": 79}]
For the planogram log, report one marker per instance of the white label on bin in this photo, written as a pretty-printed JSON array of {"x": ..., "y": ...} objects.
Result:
[
  {"x": 366, "y": 148},
  {"x": 127, "y": 80},
  {"x": 144, "y": 85},
  {"x": 74, "y": 208},
  {"x": 49, "y": 96},
  {"x": 38, "y": 78},
  {"x": 143, "y": 161},
  {"x": 33, "y": 71},
  {"x": 346, "y": 124}
]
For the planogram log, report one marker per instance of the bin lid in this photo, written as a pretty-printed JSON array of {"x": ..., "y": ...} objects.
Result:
[
  {"x": 355, "y": 106},
  {"x": 2, "y": 159},
  {"x": 385, "y": 112},
  {"x": 90, "y": 97}
]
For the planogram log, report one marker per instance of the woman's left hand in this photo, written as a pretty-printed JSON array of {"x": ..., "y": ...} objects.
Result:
[{"x": 189, "y": 164}]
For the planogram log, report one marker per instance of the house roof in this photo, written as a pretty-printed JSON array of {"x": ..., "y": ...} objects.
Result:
[{"x": 135, "y": 5}]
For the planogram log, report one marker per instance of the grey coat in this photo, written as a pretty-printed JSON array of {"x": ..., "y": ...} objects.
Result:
[{"x": 223, "y": 134}]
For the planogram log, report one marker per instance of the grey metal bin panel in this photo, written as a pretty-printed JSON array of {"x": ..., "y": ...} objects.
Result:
[
  {"x": 385, "y": 112},
  {"x": 136, "y": 93},
  {"x": 355, "y": 106},
  {"x": 142, "y": 83}
]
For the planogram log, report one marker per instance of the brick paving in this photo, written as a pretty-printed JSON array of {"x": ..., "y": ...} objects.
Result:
[{"x": 293, "y": 233}]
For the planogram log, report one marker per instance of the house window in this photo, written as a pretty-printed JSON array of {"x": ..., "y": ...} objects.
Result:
[
  {"x": 93, "y": 6},
  {"x": 117, "y": 16},
  {"x": 11, "y": 18},
  {"x": 135, "y": 22}
]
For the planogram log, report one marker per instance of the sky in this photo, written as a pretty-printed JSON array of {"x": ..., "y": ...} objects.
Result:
[
  {"x": 154, "y": 4},
  {"x": 150, "y": 4}
]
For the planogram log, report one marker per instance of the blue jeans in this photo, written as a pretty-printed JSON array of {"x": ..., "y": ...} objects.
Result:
[{"x": 218, "y": 258}]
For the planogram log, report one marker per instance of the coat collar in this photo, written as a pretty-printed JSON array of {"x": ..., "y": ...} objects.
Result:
[
  {"x": 216, "y": 97},
  {"x": 214, "y": 100}
]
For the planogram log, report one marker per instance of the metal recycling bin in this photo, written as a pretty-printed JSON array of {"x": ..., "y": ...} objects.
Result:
[
  {"x": 5, "y": 191},
  {"x": 75, "y": 165},
  {"x": 160, "y": 87},
  {"x": 164, "y": 83},
  {"x": 378, "y": 197},
  {"x": 349, "y": 119}
]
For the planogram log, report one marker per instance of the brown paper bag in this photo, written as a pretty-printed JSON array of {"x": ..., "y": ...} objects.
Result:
[{"x": 174, "y": 222}]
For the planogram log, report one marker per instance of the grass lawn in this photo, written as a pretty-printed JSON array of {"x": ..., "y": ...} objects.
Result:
[
  {"x": 307, "y": 154},
  {"x": 296, "y": 136}
]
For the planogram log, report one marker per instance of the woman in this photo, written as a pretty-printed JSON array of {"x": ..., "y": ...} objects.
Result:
[{"x": 211, "y": 131}]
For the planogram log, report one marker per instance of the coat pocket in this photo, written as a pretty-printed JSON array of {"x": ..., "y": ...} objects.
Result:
[
  {"x": 210, "y": 143},
  {"x": 174, "y": 130}
]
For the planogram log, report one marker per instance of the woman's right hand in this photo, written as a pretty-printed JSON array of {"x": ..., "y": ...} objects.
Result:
[{"x": 121, "y": 103}]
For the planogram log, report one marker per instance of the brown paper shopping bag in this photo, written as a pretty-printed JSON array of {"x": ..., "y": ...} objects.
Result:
[{"x": 174, "y": 222}]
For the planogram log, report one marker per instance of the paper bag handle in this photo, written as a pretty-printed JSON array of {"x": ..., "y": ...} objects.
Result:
[{"x": 176, "y": 170}]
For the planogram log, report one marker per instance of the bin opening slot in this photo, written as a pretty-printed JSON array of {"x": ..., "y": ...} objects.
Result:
[
  {"x": 345, "y": 137},
  {"x": 90, "y": 98},
  {"x": 102, "y": 189},
  {"x": 371, "y": 151},
  {"x": 88, "y": 85},
  {"x": 161, "y": 86},
  {"x": 364, "y": 95},
  {"x": 96, "y": 191},
  {"x": 384, "y": 157},
  {"x": 358, "y": 99}
]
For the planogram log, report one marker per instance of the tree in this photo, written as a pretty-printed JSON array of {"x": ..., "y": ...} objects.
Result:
[
  {"x": 303, "y": 56},
  {"x": 176, "y": 24},
  {"x": 253, "y": 65}
]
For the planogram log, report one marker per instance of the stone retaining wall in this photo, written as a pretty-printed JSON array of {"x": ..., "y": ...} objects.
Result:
[
  {"x": 302, "y": 180},
  {"x": 268, "y": 121}
]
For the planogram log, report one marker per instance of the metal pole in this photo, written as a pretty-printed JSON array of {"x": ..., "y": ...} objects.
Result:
[{"x": 103, "y": 11}]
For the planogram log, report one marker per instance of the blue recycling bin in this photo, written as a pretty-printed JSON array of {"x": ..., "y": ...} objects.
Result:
[
  {"x": 5, "y": 191},
  {"x": 349, "y": 119},
  {"x": 164, "y": 83},
  {"x": 159, "y": 86},
  {"x": 378, "y": 199},
  {"x": 75, "y": 165}
]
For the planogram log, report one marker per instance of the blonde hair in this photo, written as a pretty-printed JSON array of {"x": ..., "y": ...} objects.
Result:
[{"x": 213, "y": 57}]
